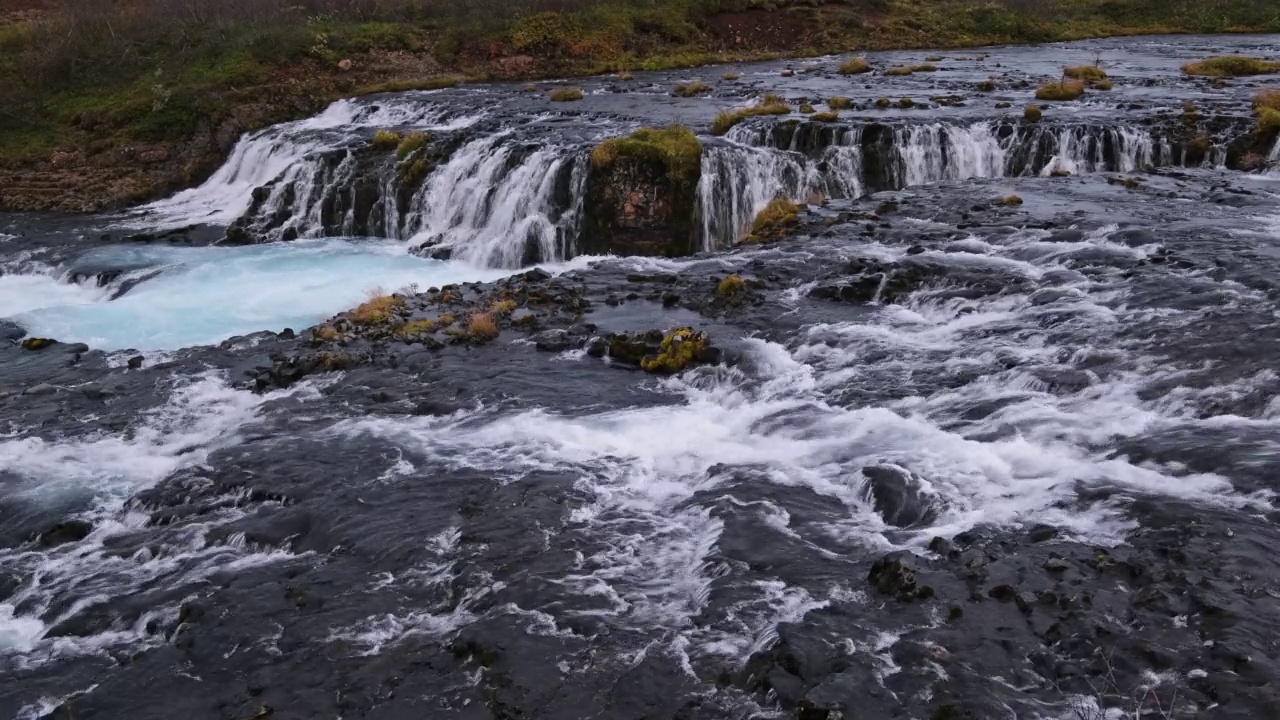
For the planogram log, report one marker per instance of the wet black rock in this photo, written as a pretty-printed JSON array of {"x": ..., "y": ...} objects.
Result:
[
  {"x": 893, "y": 575},
  {"x": 898, "y": 496},
  {"x": 11, "y": 331},
  {"x": 67, "y": 531}
]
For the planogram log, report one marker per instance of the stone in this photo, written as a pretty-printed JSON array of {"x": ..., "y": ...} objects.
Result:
[
  {"x": 156, "y": 155},
  {"x": 345, "y": 65},
  {"x": 135, "y": 362},
  {"x": 67, "y": 531},
  {"x": 896, "y": 495},
  {"x": 41, "y": 389},
  {"x": 11, "y": 331}
]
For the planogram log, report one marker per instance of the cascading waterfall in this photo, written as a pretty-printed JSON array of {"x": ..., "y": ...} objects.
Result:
[
  {"x": 1273, "y": 160},
  {"x": 939, "y": 152},
  {"x": 495, "y": 205},
  {"x": 737, "y": 182}
]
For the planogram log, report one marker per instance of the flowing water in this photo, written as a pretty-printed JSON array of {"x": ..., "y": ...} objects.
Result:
[{"x": 1062, "y": 414}]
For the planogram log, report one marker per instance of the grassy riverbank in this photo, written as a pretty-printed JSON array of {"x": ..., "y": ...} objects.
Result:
[{"x": 146, "y": 95}]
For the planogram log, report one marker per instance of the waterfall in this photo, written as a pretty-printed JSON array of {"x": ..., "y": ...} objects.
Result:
[
  {"x": 1273, "y": 160},
  {"x": 498, "y": 205},
  {"x": 939, "y": 152},
  {"x": 737, "y": 182}
]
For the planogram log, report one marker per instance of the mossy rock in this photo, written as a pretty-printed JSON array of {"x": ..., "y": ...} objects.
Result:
[
  {"x": 680, "y": 348},
  {"x": 36, "y": 343},
  {"x": 642, "y": 194},
  {"x": 774, "y": 221}
]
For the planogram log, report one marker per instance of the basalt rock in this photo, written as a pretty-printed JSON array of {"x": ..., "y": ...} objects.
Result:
[{"x": 641, "y": 201}]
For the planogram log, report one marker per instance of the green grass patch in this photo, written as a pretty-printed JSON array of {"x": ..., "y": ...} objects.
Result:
[
  {"x": 676, "y": 148},
  {"x": 1062, "y": 90},
  {"x": 854, "y": 66},
  {"x": 1232, "y": 66},
  {"x": 769, "y": 105},
  {"x": 839, "y": 103}
]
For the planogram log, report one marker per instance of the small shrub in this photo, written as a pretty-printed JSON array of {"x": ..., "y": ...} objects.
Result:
[
  {"x": 566, "y": 95},
  {"x": 883, "y": 103},
  {"x": 376, "y": 310},
  {"x": 806, "y": 109},
  {"x": 482, "y": 326},
  {"x": 1101, "y": 85},
  {"x": 503, "y": 308},
  {"x": 412, "y": 173},
  {"x": 1032, "y": 113},
  {"x": 987, "y": 86},
  {"x": 854, "y": 66},
  {"x": 325, "y": 333},
  {"x": 1233, "y": 66},
  {"x": 625, "y": 76},
  {"x": 696, "y": 87},
  {"x": 899, "y": 71},
  {"x": 410, "y": 144},
  {"x": 731, "y": 286},
  {"x": 1190, "y": 114},
  {"x": 729, "y": 76},
  {"x": 934, "y": 59},
  {"x": 1062, "y": 90},
  {"x": 825, "y": 117},
  {"x": 1087, "y": 73},
  {"x": 926, "y": 68},
  {"x": 769, "y": 105},
  {"x": 906, "y": 103},
  {"x": 445, "y": 320},
  {"x": 1011, "y": 201},
  {"x": 773, "y": 222},
  {"x": 839, "y": 103},
  {"x": 386, "y": 140}
]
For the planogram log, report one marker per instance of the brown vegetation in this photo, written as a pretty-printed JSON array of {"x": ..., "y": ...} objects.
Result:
[
  {"x": 769, "y": 105},
  {"x": 854, "y": 66},
  {"x": 1232, "y": 66},
  {"x": 1062, "y": 90}
]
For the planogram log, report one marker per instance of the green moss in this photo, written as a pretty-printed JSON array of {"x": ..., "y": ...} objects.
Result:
[
  {"x": 883, "y": 102},
  {"x": 676, "y": 148},
  {"x": 416, "y": 327},
  {"x": 35, "y": 343},
  {"x": 1232, "y": 66},
  {"x": 411, "y": 143},
  {"x": 731, "y": 286},
  {"x": 386, "y": 140},
  {"x": 806, "y": 109},
  {"x": 825, "y": 117},
  {"x": 435, "y": 82},
  {"x": 1268, "y": 121},
  {"x": 679, "y": 349},
  {"x": 412, "y": 172}
]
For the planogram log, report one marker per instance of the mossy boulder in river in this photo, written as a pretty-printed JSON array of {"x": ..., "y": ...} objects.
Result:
[{"x": 641, "y": 194}]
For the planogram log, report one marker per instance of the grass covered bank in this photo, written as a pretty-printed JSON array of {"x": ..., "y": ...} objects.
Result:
[{"x": 142, "y": 96}]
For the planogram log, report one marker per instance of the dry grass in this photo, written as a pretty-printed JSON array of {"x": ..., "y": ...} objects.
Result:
[
  {"x": 1062, "y": 90},
  {"x": 1233, "y": 66},
  {"x": 730, "y": 76},
  {"x": 697, "y": 87},
  {"x": 417, "y": 327},
  {"x": 854, "y": 66},
  {"x": 839, "y": 103},
  {"x": 1267, "y": 98},
  {"x": 987, "y": 86},
  {"x": 806, "y": 109},
  {"x": 481, "y": 325},
  {"x": 1032, "y": 113},
  {"x": 410, "y": 144},
  {"x": 377, "y": 310},
  {"x": 825, "y": 117},
  {"x": 566, "y": 95},
  {"x": 1011, "y": 201},
  {"x": 503, "y": 308}
]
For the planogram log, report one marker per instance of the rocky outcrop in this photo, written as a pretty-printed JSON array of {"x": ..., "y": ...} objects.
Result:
[{"x": 642, "y": 194}]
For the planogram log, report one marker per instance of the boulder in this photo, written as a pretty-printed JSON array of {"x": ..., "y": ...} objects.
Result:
[{"x": 641, "y": 195}]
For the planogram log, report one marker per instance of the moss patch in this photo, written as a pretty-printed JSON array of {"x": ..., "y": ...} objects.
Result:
[
  {"x": 679, "y": 349},
  {"x": 565, "y": 95},
  {"x": 854, "y": 66}
]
